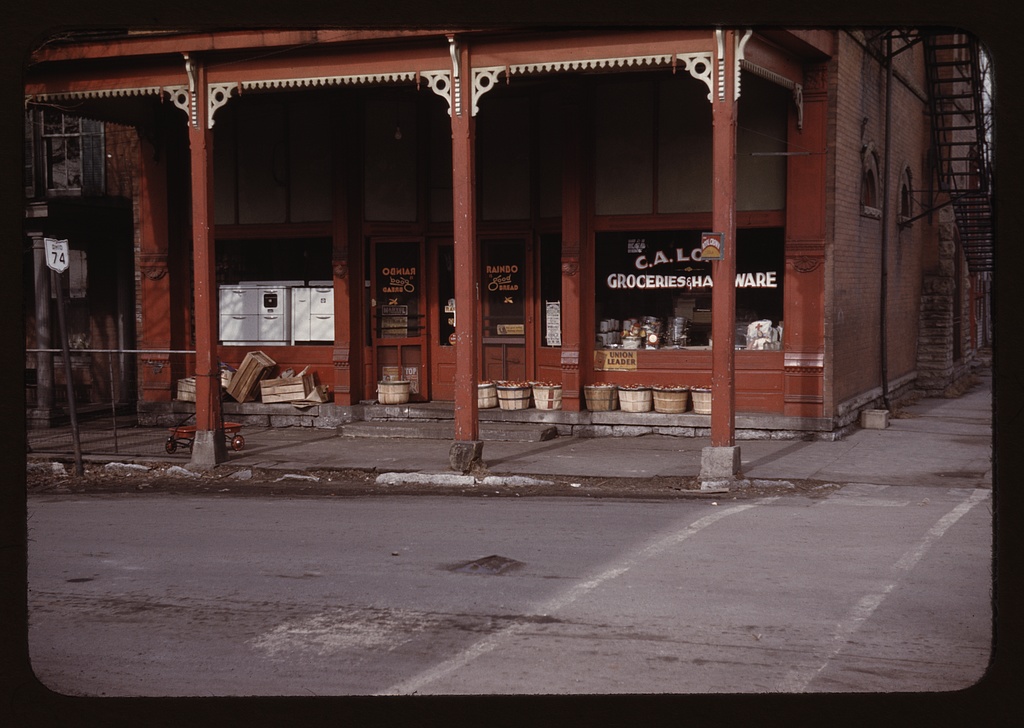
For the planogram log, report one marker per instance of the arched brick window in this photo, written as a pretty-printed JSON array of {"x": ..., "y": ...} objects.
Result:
[{"x": 869, "y": 189}]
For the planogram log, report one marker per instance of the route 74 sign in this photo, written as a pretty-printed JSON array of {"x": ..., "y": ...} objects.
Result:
[{"x": 56, "y": 254}]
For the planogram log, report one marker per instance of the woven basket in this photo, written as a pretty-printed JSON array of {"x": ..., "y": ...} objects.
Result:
[
  {"x": 601, "y": 398},
  {"x": 672, "y": 401},
  {"x": 701, "y": 401},
  {"x": 513, "y": 398},
  {"x": 396, "y": 392},
  {"x": 635, "y": 400},
  {"x": 486, "y": 395},
  {"x": 547, "y": 397}
]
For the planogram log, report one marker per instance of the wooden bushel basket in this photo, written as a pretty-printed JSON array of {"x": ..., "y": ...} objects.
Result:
[
  {"x": 547, "y": 396},
  {"x": 513, "y": 397},
  {"x": 601, "y": 397},
  {"x": 395, "y": 392},
  {"x": 671, "y": 400}
]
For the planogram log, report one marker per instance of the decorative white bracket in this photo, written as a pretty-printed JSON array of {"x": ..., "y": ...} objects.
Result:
[
  {"x": 720, "y": 40},
  {"x": 181, "y": 98},
  {"x": 454, "y": 50},
  {"x": 192, "y": 111},
  {"x": 485, "y": 79},
  {"x": 440, "y": 82},
  {"x": 218, "y": 95},
  {"x": 741, "y": 44},
  {"x": 700, "y": 66}
]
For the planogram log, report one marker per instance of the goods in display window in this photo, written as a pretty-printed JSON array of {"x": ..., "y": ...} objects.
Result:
[
  {"x": 654, "y": 290},
  {"x": 762, "y": 336}
]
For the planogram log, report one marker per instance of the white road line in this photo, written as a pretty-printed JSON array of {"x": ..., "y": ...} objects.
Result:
[
  {"x": 799, "y": 678},
  {"x": 561, "y": 601}
]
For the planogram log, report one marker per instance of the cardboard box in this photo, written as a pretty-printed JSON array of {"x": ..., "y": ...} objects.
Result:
[{"x": 255, "y": 366}]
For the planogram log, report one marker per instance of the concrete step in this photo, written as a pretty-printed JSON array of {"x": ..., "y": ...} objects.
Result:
[{"x": 445, "y": 430}]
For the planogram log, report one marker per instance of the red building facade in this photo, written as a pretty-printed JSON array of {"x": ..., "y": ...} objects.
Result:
[{"x": 484, "y": 206}]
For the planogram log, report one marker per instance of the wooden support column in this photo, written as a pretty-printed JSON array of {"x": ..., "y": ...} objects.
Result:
[
  {"x": 345, "y": 259},
  {"x": 723, "y": 220},
  {"x": 572, "y": 234},
  {"x": 208, "y": 448},
  {"x": 467, "y": 449},
  {"x": 722, "y": 459}
]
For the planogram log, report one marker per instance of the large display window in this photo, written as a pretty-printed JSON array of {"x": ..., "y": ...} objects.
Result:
[{"x": 653, "y": 290}]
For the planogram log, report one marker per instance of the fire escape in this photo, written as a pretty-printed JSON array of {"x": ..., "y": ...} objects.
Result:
[{"x": 960, "y": 140}]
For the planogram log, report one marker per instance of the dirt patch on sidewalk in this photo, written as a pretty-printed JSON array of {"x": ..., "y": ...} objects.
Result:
[{"x": 55, "y": 478}]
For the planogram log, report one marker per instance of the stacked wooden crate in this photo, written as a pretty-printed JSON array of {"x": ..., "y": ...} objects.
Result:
[
  {"x": 254, "y": 367},
  {"x": 187, "y": 389},
  {"x": 287, "y": 389}
]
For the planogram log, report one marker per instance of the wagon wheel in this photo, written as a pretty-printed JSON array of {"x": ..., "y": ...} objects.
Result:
[
  {"x": 170, "y": 446},
  {"x": 237, "y": 443}
]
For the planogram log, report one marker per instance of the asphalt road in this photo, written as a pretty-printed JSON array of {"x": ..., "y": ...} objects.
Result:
[{"x": 868, "y": 588}]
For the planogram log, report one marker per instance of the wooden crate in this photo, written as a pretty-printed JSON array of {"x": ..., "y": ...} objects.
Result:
[
  {"x": 187, "y": 389},
  {"x": 255, "y": 366},
  {"x": 287, "y": 389}
]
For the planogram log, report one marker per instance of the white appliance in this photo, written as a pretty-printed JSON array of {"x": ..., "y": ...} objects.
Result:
[
  {"x": 252, "y": 313},
  {"x": 274, "y": 319},
  {"x": 313, "y": 312},
  {"x": 239, "y": 314}
]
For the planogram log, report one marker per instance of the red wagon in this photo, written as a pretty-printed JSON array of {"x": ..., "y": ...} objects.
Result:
[{"x": 185, "y": 435}]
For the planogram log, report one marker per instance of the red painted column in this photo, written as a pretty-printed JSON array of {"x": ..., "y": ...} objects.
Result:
[
  {"x": 345, "y": 258},
  {"x": 723, "y": 220},
  {"x": 572, "y": 234},
  {"x": 208, "y": 448},
  {"x": 155, "y": 284},
  {"x": 467, "y": 267}
]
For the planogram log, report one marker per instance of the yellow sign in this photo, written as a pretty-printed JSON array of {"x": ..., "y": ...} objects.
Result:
[
  {"x": 622, "y": 360},
  {"x": 712, "y": 246}
]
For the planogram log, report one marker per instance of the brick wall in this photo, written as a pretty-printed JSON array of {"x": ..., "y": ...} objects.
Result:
[{"x": 855, "y": 247}]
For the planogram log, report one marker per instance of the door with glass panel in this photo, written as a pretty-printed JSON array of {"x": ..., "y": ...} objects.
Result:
[
  {"x": 504, "y": 290},
  {"x": 398, "y": 312},
  {"x": 441, "y": 272}
]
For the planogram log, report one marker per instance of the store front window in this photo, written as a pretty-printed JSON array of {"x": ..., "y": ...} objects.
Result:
[{"x": 653, "y": 291}]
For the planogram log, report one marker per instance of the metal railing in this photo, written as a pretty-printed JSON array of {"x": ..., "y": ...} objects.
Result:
[{"x": 105, "y": 386}]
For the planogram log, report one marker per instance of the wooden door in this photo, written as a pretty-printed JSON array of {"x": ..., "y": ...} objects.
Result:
[
  {"x": 441, "y": 321},
  {"x": 398, "y": 313},
  {"x": 503, "y": 296}
]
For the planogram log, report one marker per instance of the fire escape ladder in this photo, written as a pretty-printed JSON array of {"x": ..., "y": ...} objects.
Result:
[{"x": 960, "y": 140}]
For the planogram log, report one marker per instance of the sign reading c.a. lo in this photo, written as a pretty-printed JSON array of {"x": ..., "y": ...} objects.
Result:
[{"x": 56, "y": 254}]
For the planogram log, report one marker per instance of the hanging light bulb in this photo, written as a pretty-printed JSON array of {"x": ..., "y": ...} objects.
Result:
[{"x": 398, "y": 133}]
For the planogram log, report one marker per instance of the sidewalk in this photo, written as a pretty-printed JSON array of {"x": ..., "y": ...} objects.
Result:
[{"x": 935, "y": 441}]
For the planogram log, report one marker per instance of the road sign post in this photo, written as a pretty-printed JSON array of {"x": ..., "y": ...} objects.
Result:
[
  {"x": 56, "y": 254},
  {"x": 57, "y": 260}
]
